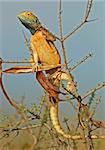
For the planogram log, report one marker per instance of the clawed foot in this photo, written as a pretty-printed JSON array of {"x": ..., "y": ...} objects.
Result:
[{"x": 35, "y": 68}]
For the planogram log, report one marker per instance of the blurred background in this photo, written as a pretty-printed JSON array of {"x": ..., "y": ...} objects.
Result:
[{"x": 89, "y": 39}]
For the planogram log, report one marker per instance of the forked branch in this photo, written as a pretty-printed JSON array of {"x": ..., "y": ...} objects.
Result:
[{"x": 85, "y": 19}]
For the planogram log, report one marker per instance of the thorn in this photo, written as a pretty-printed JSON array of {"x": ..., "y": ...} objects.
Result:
[{"x": 91, "y": 20}]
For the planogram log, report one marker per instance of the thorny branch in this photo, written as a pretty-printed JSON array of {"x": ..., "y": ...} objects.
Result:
[
  {"x": 16, "y": 106},
  {"x": 80, "y": 62},
  {"x": 61, "y": 33},
  {"x": 93, "y": 90},
  {"x": 28, "y": 69},
  {"x": 26, "y": 127},
  {"x": 85, "y": 19},
  {"x": 87, "y": 129}
]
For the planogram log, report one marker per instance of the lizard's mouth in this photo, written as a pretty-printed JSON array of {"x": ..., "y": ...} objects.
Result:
[
  {"x": 23, "y": 21},
  {"x": 27, "y": 24}
]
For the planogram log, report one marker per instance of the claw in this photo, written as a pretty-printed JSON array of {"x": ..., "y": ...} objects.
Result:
[{"x": 35, "y": 68}]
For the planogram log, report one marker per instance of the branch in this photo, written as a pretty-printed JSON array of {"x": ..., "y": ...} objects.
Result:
[
  {"x": 28, "y": 69},
  {"x": 21, "y": 128},
  {"x": 12, "y": 103},
  {"x": 26, "y": 41},
  {"x": 74, "y": 137},
  {"x": 15, "y": 105},
  {"x": 60, "y": 19},
  {"x": 62, "y": 41},
  {"x": 81, "y": 61},
  {"x": 61, "y": 33},
  {"x": 88, "y": 9},
  {"x": 87, "y": 12},
  {"x": 17, "y": 62},
  {"x": 93, "y": 90}
]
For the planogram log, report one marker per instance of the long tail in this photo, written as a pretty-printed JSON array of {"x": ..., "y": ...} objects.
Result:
[
  {"x": 70, "y": 86},
  {"x": 54, "y": 94},
  {"x": 56, "y": 124}
]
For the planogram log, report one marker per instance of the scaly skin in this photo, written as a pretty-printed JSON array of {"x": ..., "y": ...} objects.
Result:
[
  {"x": 44, "y": 52},
  {"x": 42, "y": 49}
]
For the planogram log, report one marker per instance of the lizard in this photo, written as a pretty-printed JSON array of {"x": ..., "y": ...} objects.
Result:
[{"x": 44, "y": 52}]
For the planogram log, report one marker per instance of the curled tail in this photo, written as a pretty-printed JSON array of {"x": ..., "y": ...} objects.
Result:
[
  {"x": 56, "y": 124},
  {"x": 54, "y": 94},
  {"x": 71, "y": 87}
]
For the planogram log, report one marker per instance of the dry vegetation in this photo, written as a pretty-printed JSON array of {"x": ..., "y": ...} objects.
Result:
[{"x": 31, "y": 128}]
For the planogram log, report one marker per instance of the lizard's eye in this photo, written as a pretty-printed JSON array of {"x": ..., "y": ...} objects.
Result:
[{"x": 29, "y": 13}]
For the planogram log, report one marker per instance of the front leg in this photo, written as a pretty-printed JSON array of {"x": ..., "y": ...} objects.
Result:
[
  {"x": 34, "y": 59},
  {"x": 35, "y": 64}
]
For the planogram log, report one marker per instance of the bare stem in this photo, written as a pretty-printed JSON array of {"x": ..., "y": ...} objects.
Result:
[
  {"x": 80, "y": 62},
  {"x": 93, "y": 90},
  {"x": 17, "y": 62},
  {"x": 61, "y": 32},
  {"x": 28, "y": 69},
  {"x": 60, "y": 19},
  {"x": 87, "y": 12},
  {"x": 16, "y": 106}
]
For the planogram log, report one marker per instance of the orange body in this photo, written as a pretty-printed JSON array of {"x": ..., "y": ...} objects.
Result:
[
  {"x": 44, "y": 52},
  {"x": 43, "y": 45}
]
